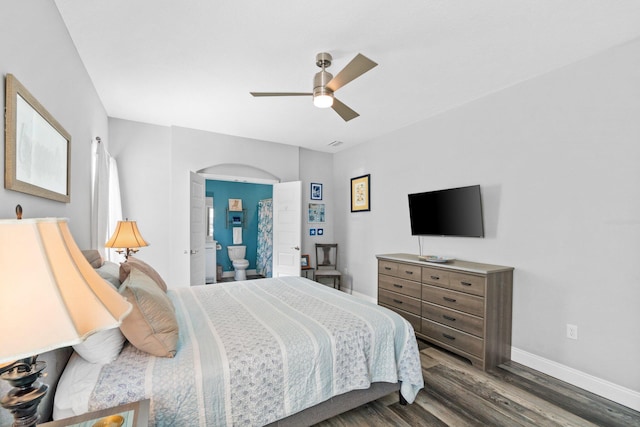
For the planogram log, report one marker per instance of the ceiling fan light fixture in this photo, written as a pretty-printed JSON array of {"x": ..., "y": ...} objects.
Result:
[{"x": 323, "y": 101}]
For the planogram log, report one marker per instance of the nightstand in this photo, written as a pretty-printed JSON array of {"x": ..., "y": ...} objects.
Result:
[
  {"x": 134, "y": 414},
  {"x": 306, "y": 270}
]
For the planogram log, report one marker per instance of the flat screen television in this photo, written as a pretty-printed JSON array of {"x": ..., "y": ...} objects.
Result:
[{"x": 449, "y": 212}]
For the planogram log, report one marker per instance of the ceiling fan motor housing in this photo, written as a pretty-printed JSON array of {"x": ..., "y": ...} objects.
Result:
[
  {"x": 323, "y": 77},
  {"x": 320, "y": 81}
]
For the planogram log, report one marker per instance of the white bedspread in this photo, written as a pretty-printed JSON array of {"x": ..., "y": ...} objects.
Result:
[{"x": 257, "y": 351}]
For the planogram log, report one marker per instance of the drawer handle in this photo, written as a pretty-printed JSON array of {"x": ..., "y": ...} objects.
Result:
[
  {"x": 435, "y": 277},
  {"x": 449, "y": 299},
  {"x": 449, "y": 318},
  {"x": 408, "y": 272},
  {"x": 465, "y": 283},
  {"x": 397, "y": 301},
  {"x": 387, "y": 268},
  {"x": 397, "y": 286},
  {"x": 449, "y": 337}
]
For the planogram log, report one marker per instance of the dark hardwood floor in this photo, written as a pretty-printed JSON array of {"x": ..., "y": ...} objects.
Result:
[{"x": 456, "y": 394}]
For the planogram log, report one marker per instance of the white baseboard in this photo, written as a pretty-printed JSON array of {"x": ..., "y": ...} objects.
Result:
[{"x": 608, "y": 390}]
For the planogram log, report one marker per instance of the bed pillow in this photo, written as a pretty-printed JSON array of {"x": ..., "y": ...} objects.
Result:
[
  {"x": 101, "y": 347},
  {"x": 152, "y": 326},
  {"x": 110, "y": 271},
  {"x": 125, "y": 268},
  {"x": 93, "y": 257}
]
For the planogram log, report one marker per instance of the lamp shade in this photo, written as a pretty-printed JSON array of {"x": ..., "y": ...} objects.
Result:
[
  {"x": 50, "y": 296},
  {"x": 126, "y": 235}
]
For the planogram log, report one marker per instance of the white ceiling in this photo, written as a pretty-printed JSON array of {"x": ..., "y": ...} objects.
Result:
[{"x": 192, "y": 63}]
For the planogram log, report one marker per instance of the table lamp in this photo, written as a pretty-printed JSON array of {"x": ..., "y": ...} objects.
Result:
[
  {"x": 126, "y": 238},
  {"x": 44, "y": 275}
]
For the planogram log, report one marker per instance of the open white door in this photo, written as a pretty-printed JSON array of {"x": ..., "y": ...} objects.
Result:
[
  {"x": 287, "y": 228},
  {"x": 198, "y": 230}
]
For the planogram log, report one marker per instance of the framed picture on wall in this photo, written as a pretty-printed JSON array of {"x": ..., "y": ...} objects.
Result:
[
  {"x": 37, "y": 148},
  {"x": 235, "y": 205},
  {"x": 316, "y": 212},
  {"x": 361, "y": 193},
  {"x": 316, "y": 191}
]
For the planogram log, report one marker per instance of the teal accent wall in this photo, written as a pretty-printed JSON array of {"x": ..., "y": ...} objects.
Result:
[{"x": 251, "y": 194}]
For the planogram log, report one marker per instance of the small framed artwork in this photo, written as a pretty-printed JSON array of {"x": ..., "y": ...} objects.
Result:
[
  {"x": 312, "y": 232},
  {"x": 235, "y": 205},
  {"x": 361, "y": 193},
  {"x": 316, "y": 212},
  {"x": 320, "y": 231},
  {"x": 316, "y": 191},
  {"x": 304, "y": 261}
]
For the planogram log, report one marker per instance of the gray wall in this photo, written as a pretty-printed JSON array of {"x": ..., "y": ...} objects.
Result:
[
  {"x": 557, "y": 159},
  {"x": 317, "y": 167},
  {"x": 142, "y": 152},
  {"x": 35, "y": 47}
]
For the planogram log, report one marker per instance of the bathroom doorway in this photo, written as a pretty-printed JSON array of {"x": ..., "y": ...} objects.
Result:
[
  {"x": 240, "y": 226},
  {"x": 287, "y": 255}
]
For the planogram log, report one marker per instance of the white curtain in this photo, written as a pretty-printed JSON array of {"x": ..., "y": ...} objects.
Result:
[{"x": 106, "y": 206}]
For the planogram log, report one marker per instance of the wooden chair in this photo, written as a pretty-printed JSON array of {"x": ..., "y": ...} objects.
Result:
[{"x": 327, "y": 263}]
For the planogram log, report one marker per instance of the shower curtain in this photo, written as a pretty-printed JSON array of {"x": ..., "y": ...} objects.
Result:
[{"x": 265, "y": 238}]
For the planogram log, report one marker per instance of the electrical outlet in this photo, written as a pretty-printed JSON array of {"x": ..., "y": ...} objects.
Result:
[{"x": 572, "y": 331}]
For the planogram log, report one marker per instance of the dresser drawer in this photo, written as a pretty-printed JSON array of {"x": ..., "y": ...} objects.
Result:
[
  {"x": 456, "y": 319},
  {"x": 410, "y": 272},
  {"x": 467, "y": 283},
  {"x": 404, "y": 271},
  {"x": 452, "y": 299},
  {"x": 401, "y": 286},
  {"x": 386, "y": 267},
  {"x": 453, "y": 337},
  {"x": 415, "y": 321},
  {"x": 435, "y": 276},
  {"x": 403, "y": 302}
]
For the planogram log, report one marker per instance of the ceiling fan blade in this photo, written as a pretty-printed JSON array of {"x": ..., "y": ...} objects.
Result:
[
  {"x": 354, "y": 69},
  {"x": 281, "y": 93},
  {"x": 345, "y": 112}
]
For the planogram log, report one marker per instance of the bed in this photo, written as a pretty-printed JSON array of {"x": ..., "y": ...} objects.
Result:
[{"x": 282, "y": 350}]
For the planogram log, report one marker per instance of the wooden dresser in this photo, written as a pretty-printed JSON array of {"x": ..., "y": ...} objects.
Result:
[{"x": 462, "y": 306}]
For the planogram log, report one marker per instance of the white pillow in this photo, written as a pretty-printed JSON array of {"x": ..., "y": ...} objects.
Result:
[{"x": 101, "y": 347}]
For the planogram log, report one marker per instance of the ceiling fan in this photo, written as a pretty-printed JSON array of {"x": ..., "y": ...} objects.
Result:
[{"x": 324, "y": 84}]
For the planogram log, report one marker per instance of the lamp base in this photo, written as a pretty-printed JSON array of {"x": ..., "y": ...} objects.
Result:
[{"x": 23, "y": 400}]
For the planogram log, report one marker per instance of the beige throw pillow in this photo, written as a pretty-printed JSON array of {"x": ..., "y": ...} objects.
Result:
[
  {"x": 125, "y": 268},
  {"x": 152, "y": 326},
  {"x": 93, "y": 257}
]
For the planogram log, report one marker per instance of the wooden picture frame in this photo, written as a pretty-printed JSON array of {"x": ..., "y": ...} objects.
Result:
[
  {"x": 135, "y": 414},
  {"x": 37, "y": 147},
  {"x": 305, "y": 262},
  {"x": 235, "y": 205},
  {"x": 361, "y": 193},
  {"x": 316, "y": 191}
]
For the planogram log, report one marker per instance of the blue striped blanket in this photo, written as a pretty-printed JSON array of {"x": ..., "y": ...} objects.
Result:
[{"x": 253, "y": 352}]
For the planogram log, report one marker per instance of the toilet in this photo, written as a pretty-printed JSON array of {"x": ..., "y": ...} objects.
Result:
[{"x": 237, "y": 254}]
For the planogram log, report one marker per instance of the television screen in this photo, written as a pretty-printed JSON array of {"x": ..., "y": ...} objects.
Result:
[{"x": 450, "y": 212}]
